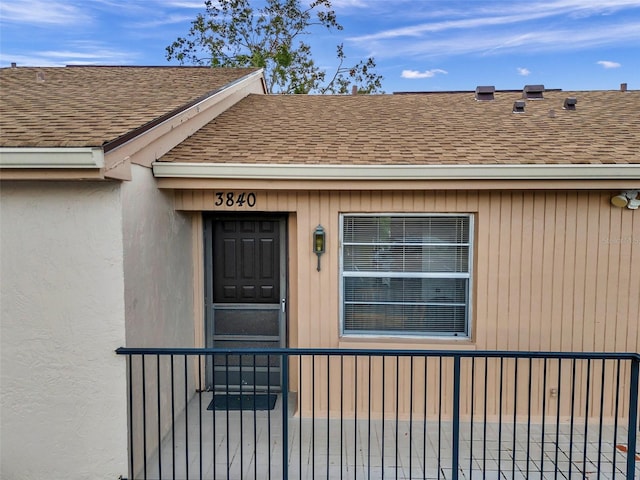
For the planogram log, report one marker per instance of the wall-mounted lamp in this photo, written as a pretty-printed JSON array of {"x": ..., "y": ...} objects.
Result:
[
  {"x": 318, "y": 242},
  {"x": 629, "y": 199}
]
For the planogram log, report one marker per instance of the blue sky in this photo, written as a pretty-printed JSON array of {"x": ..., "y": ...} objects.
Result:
[{"x": 418, "y": 45}]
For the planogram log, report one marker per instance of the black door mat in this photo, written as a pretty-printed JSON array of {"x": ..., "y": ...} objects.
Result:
[{"x": 249, "y": 401}]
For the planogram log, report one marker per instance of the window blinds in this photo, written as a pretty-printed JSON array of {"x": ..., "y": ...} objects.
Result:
[{"x": 406, "y": 274}]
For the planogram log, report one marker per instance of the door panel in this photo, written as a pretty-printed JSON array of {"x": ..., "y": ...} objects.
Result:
[
  {"x": 245, "y": 277},
  {"x": 248, "y": 253}
]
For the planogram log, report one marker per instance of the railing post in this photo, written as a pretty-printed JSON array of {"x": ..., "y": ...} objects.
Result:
[
  {"x": 285, "y": 416},
  {"x": 456, "y": 418},
  {"x": 632, "y": 428},
  {"x": 130, "y": 387}
]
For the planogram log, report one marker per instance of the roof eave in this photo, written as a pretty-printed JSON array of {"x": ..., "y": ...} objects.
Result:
[
  {"x": 239, "y": 171},
  {"x": 51, "y": 157},
  {"x": 68, "y": 163}
]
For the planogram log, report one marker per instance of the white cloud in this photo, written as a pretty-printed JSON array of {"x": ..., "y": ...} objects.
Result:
[
  {"x": 97, "y": 55},
  {"x": 609, "y": 64},
  {"x": 418, "y": 30},
  {"x": 165, "y": 20},
  {"x": 79, "y": 53},
  {"x": 523, "y": 71},
  {"x": 516, "y": 13},
  {"x": 349, "y": 3},
  {"x": 41, "y": 12},
  {"x": 153, "y": 5},
  {"x": 426, "y": 74},
  {"x": 491, "y": 42},
  {"x": 483, "y": 28},
  {"x": 185, "y": 4},
  {"x": 32, "y": 60}
]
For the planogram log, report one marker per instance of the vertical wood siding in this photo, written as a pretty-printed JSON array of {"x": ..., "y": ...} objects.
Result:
[{"x": 553, "y": 271}]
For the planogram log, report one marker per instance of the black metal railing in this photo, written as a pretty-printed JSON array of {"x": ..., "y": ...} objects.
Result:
[{"x": 381, "y": 414}]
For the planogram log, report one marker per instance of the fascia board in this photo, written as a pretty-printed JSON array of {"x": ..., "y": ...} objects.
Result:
[
  {"x": 51, "y": 158},
  {"x": 395, "y": 172}
]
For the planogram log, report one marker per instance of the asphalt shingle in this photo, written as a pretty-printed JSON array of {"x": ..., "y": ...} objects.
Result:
[
  {"x": 89, "y": 106},
  {"x": 416, "y": 129}
]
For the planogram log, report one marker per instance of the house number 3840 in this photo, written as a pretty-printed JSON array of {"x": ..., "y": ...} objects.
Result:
[{"x": 230, "y": 199}]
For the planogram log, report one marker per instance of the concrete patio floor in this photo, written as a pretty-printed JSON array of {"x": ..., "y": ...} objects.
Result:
[{"x": 245, "y": 445}]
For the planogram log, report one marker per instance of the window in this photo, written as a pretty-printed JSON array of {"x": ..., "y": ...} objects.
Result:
[{"x": 406, "y": 274}]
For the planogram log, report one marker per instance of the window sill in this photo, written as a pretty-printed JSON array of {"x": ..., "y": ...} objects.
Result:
[{"x": 406, "y": 342}]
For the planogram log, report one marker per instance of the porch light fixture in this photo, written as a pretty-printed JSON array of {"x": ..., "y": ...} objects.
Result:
[
  {"x": 629, "y": 199},
  {"x": 318, "y": 242}
]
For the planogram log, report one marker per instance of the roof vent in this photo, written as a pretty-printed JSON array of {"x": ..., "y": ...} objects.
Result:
[
  {"x": 533, "y": 92},
  {"x": 570, "y": 103},
  {"x": 485, "y": 93},
  {"x": 14, "y": 65},
  {"x": 623, "y": 87},
  {"x": 518, "y": 106}
]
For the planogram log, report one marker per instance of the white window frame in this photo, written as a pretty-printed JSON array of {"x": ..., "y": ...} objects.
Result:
[{"x": 418, "y": 335}]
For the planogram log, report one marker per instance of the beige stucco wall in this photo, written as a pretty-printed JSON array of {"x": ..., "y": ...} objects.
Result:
[
  {"x": 158, "y": 266},
  {"x": 63, "y": 389},
  {"x": 159, "y": 289}
]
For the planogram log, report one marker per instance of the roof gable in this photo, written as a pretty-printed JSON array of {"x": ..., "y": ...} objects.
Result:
[{"x": 95, "y": 106}]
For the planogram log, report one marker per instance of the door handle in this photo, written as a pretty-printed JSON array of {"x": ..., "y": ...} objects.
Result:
[{"x": 283, "y": 305}]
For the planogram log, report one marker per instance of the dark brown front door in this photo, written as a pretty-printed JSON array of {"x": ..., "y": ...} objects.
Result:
[{"x": 246, "y": 298}]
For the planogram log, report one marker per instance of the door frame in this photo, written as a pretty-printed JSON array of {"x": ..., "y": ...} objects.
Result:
[{"x": 208, "y": 219}]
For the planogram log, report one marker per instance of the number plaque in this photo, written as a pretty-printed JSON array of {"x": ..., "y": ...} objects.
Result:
[{"x": 235, "y": 199}]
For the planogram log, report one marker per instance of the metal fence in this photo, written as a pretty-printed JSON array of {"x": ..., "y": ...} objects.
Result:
[{"x": 370, "y": 414}]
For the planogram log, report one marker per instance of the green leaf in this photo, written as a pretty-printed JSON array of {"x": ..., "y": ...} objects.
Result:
[{"x": 241, "y": 33}]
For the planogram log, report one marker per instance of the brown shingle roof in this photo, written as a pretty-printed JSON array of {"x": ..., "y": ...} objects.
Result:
[
  {"x": 88, "y": 106},
  {"x": 439, "y": 128}
]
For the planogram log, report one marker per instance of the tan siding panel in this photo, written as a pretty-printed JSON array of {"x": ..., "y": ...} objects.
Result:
[
  {"x": 481, "y": 272},
  {"x": 552, "y": 271},
  {"x": 631, "y": 245},
  {"x": 491, "y": 322},
  {"x": 556, "y": 242},
  {"x": 579, "y": 245},
  {"x": 594, "y": 261},
  {"x": 526, "y": 262}
]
